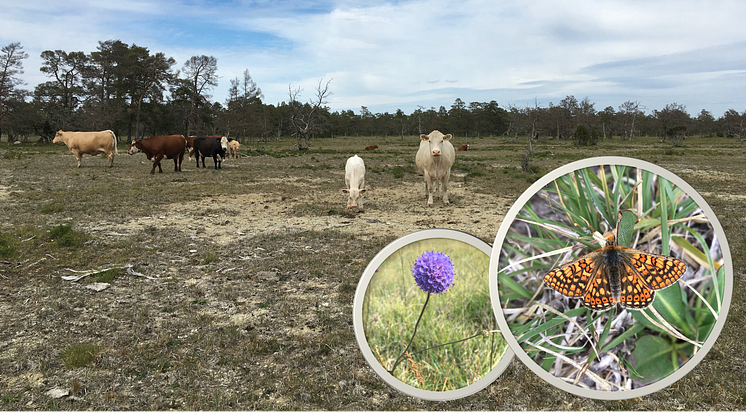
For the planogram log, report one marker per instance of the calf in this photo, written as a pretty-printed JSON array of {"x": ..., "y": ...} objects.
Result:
[
  {"x": 463, "y": 148},
  {"x": 233, "y": 147},
  {"x": 434, "y": 159},
  {"x": 206, "y": 146},
  {"x": 158, "y": 147},
  {"x": 355, "y": 182},
  {"x": 80, "y": 143},
  {"x": 375, "y": 146}
]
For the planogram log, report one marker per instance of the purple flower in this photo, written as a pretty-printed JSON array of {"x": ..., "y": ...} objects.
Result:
[{"x": 433, "y": 272}]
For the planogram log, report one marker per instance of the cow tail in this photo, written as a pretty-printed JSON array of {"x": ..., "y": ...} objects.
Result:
[{"x": 114, "y": 138}]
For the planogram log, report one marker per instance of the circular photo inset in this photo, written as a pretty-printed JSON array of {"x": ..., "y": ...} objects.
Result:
[
  {"x": 614, "y": 277},
  {"x": 423, "y": 316}
]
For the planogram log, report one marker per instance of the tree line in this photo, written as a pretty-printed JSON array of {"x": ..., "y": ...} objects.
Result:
[{"x": 135, "y": 93}]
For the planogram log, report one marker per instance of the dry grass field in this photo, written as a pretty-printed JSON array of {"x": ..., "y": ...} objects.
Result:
[{"x": 233, "y": 289}]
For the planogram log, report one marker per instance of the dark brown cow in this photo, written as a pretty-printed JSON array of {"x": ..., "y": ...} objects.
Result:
[
  {"x": 209, "y": 146},
  {"x": 190, "y": 142},
  {"x": 463, "y": 148},
  {"x": 375, "y": 146},
  {"x": 158, "y": 147}
]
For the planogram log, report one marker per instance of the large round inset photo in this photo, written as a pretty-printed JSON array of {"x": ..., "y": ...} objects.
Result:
[
  {"x": 613, "y": 276},
  {"x": 423, "y": 316}
]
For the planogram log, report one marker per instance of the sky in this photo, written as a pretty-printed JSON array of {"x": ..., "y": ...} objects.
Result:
[{"x": 421, "y": 53}]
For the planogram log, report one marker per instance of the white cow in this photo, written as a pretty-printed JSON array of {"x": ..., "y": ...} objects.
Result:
[
  {"x": 233, "y": 149},
  {"x": 355, "y": 181},
  {"x": 434, "y": 159},
  {"x": 80, "y": 143}
]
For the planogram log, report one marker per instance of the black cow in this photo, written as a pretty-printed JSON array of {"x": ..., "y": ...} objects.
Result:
[{"x": 206, "y": 146}]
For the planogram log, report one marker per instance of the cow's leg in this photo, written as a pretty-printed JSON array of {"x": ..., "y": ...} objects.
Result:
[
  {"x": 77, "y": 155},
  {"x": 361, "y": 186},
  {"x": 445, "y": 187},
  {"x": 110, "y": 155},
  {"x": 176, "y": 167},
  {"x": 429, "y": 185},
  {"x": 181, "y": 159}
]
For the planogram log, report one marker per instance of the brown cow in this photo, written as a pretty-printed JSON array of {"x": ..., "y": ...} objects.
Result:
[
  {"x": 158, "y": 147},
  {"x": 375, "y": 146},
  {"x": 190, "y": 144},
  {"x": 80, "y": 143},
  {"x": 463, "y": 148}
]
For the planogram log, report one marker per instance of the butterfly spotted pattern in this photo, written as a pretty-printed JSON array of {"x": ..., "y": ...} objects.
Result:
[{"x": 616, "y": 275}]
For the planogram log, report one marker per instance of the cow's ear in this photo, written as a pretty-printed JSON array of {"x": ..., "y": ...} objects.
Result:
[
  {"x": 345, "y": 190},
  {"x": 424, "y": 137},
  {"x": 362, "y": 191},
  {"x": 447, "y": 137}
]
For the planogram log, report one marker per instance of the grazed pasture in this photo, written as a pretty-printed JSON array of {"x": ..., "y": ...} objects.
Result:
[{"x": 248, "y": 273}]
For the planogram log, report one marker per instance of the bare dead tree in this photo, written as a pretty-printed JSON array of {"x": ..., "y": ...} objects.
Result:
[
  {"x": 629, "y": 111},
  {"x": 307, "y": 119}
]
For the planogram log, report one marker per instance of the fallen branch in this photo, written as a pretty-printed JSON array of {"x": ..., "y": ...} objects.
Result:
[
  {"x": 95, "y": 272},
  {"x": 133, "y": 273},
  {"x": 85, "y": 274},
  {"x": 36, "y": 263}
]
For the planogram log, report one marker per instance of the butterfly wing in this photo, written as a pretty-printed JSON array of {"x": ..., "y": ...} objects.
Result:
[
  {"x": 657, "y": 271},
  {"x": 573, "y": 278},
  {"x": 599, "y": 295},
  {"x": 634, "y": 293}
]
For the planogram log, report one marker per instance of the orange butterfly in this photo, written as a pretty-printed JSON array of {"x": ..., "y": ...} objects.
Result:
[{"x": 616, "y": 274}]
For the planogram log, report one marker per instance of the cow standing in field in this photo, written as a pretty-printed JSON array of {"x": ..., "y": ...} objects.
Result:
[
  {"x": 207, "y": 146},
  {"x": 355, "y": 182},
  {"x": 158, "y": 147},
  {"x": 233, "y": 149},
  {"x": 80, "y": 143},
  {"x": 190, "y": 144},
  {"x": 434, "y": 159}
]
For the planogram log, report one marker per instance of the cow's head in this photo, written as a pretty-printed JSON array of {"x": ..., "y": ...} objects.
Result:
[
  {"x": 58, "y": 137},
  {"x": 133, "y": 147},
  {"x": 354, "y": 196},
  {"x": 435, "y": 140},
  {"x": 224, "y": 143}
]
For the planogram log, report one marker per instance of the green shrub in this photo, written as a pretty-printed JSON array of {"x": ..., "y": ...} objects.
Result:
[
  {"x": 76, "y": 356},
  {"x": 51, "y": 207},
  {"x": 583, "y": 137},
  {"x": 7, "y": 246},
  {"x": 209, "y": 257},
  {"x": 64, "y": 235}
]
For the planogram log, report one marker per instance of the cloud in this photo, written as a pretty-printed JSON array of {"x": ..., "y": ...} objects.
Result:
[{"x": 405, "y": 54}]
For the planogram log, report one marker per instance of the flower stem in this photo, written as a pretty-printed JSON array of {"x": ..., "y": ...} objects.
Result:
[{"x": 413, "y": 333}]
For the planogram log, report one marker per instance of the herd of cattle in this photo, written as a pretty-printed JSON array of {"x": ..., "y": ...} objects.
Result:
[
  {"x": 434, "y": 158},
  {"x": 155, "y": 148}
]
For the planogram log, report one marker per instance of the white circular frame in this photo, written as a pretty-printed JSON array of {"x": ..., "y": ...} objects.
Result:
[
  {"x": 357, "y": 317},
  {"x": 495, "y": 259}
]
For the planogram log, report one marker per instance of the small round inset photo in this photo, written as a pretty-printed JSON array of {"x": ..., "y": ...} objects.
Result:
[
  {"x": 423, "y": 317},
  {"x": 614, "y": 277}
]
